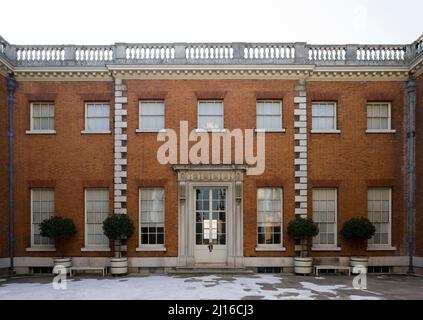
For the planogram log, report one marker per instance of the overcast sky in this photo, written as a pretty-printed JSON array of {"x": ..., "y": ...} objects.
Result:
[{"x": 106, "y": 22}]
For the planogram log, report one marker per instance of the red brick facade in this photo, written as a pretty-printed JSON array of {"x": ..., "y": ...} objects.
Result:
[
  {"x": 66, "y": 161},
  {"x": 69, "y": 161},
  {"x": 354, "y": 160}
]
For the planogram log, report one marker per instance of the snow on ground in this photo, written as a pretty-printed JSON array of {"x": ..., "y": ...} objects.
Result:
[{"x": 154, "y": 287}]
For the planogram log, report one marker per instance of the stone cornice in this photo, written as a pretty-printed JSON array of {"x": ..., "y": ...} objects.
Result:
[{"x": 215, "y": 72}]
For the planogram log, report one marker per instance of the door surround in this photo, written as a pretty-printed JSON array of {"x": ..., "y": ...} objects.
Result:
[{"x": 226, "y": 176}]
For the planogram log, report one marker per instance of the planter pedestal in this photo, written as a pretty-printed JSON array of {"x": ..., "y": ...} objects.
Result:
[
  {"x": 303, "y": 265},
  {"x": 118, "y": 266},
  {"x": 63, "y": 262}
]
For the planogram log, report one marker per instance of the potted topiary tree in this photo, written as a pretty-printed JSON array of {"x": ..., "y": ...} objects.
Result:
[
  {"x": 301, "y": 229},
  {"x": 59, "y": 229},
  {"x": 118, "y": 228},
  {"x": 359, "y": 230}
]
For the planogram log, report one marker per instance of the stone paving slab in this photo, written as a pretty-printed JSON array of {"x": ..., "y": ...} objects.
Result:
[{"x": 232, "y": 287}]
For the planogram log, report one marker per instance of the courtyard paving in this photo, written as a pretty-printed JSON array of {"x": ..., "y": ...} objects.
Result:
[{"x": 226, "y": 287}]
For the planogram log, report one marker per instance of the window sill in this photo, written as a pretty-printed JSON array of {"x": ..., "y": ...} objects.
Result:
[
  {"x": 150, "y": 130},
  {"x": 199, "y": 130},
  {"x": 381, "y": 248},
  {"x": 380, "y": 131},
  {"x": 151, "y": 249},
  {"x": 270, "y": 249},
  {"x": 326, "y": 248},
  {"x": 40, "y": 249},
  {"x": 270, "y": 130},
  {"x": 325, "y": 131},
  {"x": 96, "y": 132},
  {"x": 94, "y": 249},
  {"x": 40, "y": 131}
]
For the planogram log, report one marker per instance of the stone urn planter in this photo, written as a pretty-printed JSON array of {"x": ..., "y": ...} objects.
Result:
[
  {"x": 358, "y": 230},
  {"x": 118, "y": 228},
  {"x": 118, "y": 266},
  {"x": 62, "y": 263},
  {"x": 303, "y": 265},
  {"x": 301, "y": 229},
  {"x": 59, "y": 229}
]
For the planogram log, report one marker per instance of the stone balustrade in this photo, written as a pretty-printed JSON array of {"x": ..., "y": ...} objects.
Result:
[
  {"x": 149, "y": 52},
  {"x": 93, "y": 54},
  {"x": 39, "y": 53},
  {"x": 273, "y": 51},
  {"x": 381, "y": 53},
  {"x": 318, "y": 53},
  {"x": 211, "y": 53}
]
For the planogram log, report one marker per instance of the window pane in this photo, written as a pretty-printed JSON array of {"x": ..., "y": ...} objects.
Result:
[
  {"x": 324, "y": 214},
  {"x": 42, "y": 116},
  {"x": 97, "y": 117},
  {"x": 97, "y": 210},
  {"x": 210, "y": 122},
  {"x": 209, "y": 108},
  {"x": 152, "y": 216},
  {"x": 269, "y": 215},
  {"x": 152, "y": 115},
  {"x": 379, "y": 214},
  {"x": 378, "y": 116},
  {"x": 269, "y": 107},
  {"x": 384, "y": 123},
  {"x": 210, "y": 114},
  {"x": 42, "y": 208},
  {"x": 323, "y": 116},
  {"x": 152, "y": 108},
  {"x": 152, "y": 122}
]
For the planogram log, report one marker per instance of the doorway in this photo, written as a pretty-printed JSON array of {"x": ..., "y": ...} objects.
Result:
[{"x": 210, "y": 212}]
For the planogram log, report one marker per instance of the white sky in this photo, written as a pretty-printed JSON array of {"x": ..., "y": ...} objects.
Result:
[{"x": 107, "y": 22}]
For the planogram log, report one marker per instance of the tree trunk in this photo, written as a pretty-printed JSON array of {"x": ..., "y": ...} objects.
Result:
[{"x": 304, "y": 252}]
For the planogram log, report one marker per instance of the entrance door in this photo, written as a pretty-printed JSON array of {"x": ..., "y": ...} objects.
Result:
[{"x": 210, "y": 225}]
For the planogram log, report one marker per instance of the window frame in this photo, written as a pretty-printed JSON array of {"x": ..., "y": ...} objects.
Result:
[
  {"x": 151, "y": 247},
  {"x": 335, "y": 117},
  {"x": 87, "y": 246},
  {"x": 86, "y": 130},
  {"x": 327, "y": 247},
  {"x": 281, "y": 128},
  {"x": 32, "y": 130},
  {"x": 222, "y": 115},
  {"x": 274, "y": 246},
  {"x": 389, "y": 129},
  {"x": 388, "y": 246},
  {"x": 140, "y": 129},
  {"x": 41, "y": 247}
]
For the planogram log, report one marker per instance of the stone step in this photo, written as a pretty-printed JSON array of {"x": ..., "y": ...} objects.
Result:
[{"x": 209, "y": 271}]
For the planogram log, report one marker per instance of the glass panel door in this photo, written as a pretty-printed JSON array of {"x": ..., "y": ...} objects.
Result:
[{"x": 210, "y": 216}]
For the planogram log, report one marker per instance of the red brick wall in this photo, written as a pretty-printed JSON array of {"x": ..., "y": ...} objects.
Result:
[
  {"x": 67, "y": 161},
  {"x": 353, "y": 160},
  {"x": 4, "y": 222},
  {"x": 419, "y": 169},
  {"x": 181, "y": 104}
]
